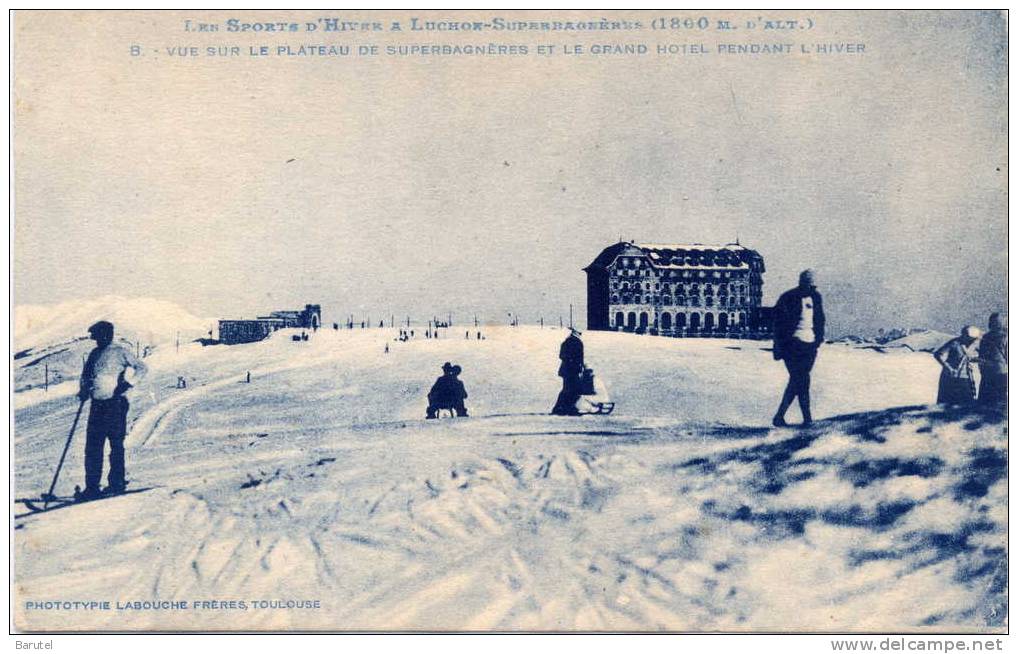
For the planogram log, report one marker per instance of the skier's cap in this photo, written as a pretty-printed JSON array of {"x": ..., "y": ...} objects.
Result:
[
  {"x": 808, "y": 276},
  {"x": 446, "y": 366},
  {"x": 456, "y": 370},
  {"x": 971, "y": 331},
  {"x": 101, "y": 327}
]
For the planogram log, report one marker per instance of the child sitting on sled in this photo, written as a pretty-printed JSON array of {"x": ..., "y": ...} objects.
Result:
[{"x": 593, "y": 395}]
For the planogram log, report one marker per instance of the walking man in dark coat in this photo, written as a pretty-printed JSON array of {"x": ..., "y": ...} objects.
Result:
[
  {"x": 571, "y": 356},
  {"x": 798, "y": 333},
  {"x": 109, "y": 372}
]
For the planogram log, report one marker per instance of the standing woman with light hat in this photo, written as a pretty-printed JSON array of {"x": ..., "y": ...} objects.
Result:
[{"x": 957, "y": 360}]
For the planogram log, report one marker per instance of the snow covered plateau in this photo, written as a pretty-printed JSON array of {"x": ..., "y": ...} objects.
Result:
[{"x": 683, "y": 510}]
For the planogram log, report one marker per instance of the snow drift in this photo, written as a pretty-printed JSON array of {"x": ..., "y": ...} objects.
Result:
[
  {"x": 320, "y": 480},
  {"x": 927, "y": 340}
]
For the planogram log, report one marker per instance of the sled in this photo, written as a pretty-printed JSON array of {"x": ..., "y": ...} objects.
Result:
[
  {"x": 594, "y": 399},
  {"x": 451, "y": 412}
]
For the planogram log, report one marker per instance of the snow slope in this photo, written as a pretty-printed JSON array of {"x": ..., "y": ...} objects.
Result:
[
  {"x": 683, "y": 510},
  {"x": 53, "y": 340}
]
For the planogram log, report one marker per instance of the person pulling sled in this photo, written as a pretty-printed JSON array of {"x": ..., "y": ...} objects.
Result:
[{"x": 570, "y": 370}]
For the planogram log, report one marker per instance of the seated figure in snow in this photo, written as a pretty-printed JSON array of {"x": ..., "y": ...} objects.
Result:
[
  {"x": 447, "y": 392},
  {"x": 593, "y": 395}
]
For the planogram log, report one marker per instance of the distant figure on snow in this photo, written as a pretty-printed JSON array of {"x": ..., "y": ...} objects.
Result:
[
  {"x": 109, "y": 372},
  {"x": 993, "y": 364},
  {"x": 448, "y": 392},
  {"x": 957, "y": 360},
  {"x": 570, "y": 369},
  {"x": 798, "y": 332}
]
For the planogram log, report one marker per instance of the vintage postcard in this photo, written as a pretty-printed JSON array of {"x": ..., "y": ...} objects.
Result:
[{"x": 499, "y": 320}]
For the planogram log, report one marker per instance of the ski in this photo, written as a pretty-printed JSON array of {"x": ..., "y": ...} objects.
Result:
[{"x": 39, "y": 505}]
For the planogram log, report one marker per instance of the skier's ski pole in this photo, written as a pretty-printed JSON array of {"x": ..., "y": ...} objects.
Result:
[{"x": 48, "y": 496}]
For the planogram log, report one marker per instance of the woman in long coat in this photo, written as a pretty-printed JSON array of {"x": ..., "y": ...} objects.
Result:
[{"x": 993, "y": 364}]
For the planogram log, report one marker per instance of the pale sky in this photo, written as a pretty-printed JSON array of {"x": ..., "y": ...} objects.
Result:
[{"x": 429, "y": 185}]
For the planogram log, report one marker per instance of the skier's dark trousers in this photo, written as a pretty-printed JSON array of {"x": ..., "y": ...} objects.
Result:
[
  {"x": 107, "y": 419},
  {"x": 109, "y": 373},
  {"x": 571, "y": 356},
  {"x": 798, "y": 332}
]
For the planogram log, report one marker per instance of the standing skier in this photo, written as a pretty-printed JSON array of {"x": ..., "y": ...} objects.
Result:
[
  {"x": 571, "y": 355},
  {"x": 109, "y": 372},
  {"x": 798, "y": 332}
]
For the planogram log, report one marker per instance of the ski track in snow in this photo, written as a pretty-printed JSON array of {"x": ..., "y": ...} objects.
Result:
[{"x": 320, "y": 480}]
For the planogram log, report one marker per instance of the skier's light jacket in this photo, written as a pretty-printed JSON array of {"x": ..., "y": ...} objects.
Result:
[{"x": 109, "y": 371}]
